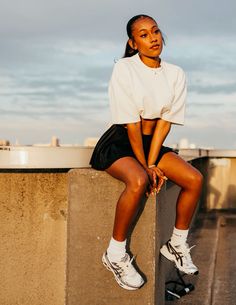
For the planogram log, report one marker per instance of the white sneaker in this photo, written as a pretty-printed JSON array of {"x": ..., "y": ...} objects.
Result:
[
  {"x": 125, "y": 273},
  {"x": 180, "y": 255}
]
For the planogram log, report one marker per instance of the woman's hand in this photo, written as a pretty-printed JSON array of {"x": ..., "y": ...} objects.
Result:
[
  {"x": 157, "y": 179},
  {"x": 161, "y": 178}
]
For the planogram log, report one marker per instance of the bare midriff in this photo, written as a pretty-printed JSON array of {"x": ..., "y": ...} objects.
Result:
[{"x": 148, "y": 126}]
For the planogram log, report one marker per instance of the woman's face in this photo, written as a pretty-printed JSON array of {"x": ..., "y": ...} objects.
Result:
[{"x": 147, "y": 38}]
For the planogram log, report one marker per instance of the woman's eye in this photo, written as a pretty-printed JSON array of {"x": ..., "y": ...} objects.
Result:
[
  {"x": 157, "y": 31},
  {"x": 143, "y": 36}
]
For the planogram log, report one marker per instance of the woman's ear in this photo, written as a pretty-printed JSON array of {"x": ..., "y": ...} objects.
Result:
[{"x": 132, "y": 44}]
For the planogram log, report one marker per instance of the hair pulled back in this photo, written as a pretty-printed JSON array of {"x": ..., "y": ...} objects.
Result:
[{"x": 129, "y": 51}]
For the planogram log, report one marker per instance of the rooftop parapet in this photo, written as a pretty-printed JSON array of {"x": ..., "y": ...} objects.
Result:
[
  {"x": 54, "y": 225},
  {"x": 36, "y": 157},
  {"x": 30, "y": 157}
]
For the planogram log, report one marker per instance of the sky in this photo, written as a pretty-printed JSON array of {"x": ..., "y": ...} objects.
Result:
[{"x": 56, "y": 59}]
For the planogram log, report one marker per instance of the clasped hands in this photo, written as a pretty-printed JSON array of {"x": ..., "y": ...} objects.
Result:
[{"x": 156, "y": 178}]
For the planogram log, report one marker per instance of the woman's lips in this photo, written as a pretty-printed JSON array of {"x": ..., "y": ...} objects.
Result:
[{"x": 155, "y": 46}]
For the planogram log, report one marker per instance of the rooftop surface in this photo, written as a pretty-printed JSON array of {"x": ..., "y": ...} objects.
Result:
[{"x": 215, "y": 254}]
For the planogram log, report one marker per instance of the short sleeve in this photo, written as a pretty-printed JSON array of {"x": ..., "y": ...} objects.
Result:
[
  {"x": 122, "y": 104},
  {"x": 176, "y": 112}
]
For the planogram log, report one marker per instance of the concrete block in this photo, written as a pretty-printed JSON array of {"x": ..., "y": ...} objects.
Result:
[
  {"x": 92, "y": 200},
  {"x": 220, "y": 182},
  {"x": 33, "y": 216}
]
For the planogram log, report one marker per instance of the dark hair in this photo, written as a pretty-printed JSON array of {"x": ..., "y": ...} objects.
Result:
[{"x": 129, "y": 51}]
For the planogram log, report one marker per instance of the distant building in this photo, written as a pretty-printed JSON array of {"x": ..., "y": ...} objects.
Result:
[
  {"x": 184, "y": 144},
  {"x": 55, "y": 142},
  {"x": 90, "y": 142},
  {"x": 4, "y": 142}
]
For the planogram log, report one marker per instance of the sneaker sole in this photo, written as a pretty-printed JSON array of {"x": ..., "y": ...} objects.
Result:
[
  {"x": 121, "y": 284},
  {"x": 164, "y": 251}
]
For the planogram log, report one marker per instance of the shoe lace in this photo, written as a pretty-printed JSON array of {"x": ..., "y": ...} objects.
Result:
[{"x": 186, "y": 253}]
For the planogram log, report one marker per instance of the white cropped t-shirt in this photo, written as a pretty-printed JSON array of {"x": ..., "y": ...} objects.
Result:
[{"x": 137, "y": 91}]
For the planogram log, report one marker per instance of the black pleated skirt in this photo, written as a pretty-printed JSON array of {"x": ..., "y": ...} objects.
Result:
[{"x": 114, "y": 144}]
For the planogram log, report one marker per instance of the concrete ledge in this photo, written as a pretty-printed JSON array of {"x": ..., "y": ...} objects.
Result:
[
  {"x": 33, "y": 217},
  {"x": 26, "y": 157},
  {"x": 190, "y": 154},
  {"x": 58, "y": 256},
  {"x": 219, "y": 153},
  {"x": 47, "y": 264},
  {"x": 92, "y": 200}
]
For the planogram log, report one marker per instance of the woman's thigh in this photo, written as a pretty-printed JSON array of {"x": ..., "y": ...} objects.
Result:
[
  {"x": 128, "y": 170},
  {"x": 179, "y": 171}
]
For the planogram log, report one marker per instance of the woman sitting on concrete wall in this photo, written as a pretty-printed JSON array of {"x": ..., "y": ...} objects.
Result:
[{"x": 147, "y": 95}]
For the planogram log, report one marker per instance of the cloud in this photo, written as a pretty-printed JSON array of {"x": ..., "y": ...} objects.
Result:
[
  {"x": 56, "y": 58},
  {"x": 198, "y": 18},
  {"x": 205, "y": 54},
  {"x": 36, "y": 129},
  {"x": 205, "y": 136},
  {"x": 57, "y": 18},
  {"x": 43, "y": 95},
  {"x": 228, "y": 88}
]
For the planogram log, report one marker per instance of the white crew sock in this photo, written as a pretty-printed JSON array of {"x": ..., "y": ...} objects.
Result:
[
  {"x": 179, "y": 237},
  {"x": 116, "y": 250}
]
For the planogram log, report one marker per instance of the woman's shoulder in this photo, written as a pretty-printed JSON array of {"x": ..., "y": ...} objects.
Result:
[
  {"x": 123, "y": 66},
  {"x": 123, "y": 62}
]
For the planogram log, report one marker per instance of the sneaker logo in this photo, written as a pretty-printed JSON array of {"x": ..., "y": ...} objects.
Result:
[
  {"x": 117, "y": 269},
  {"x": 177, "y": 255}
]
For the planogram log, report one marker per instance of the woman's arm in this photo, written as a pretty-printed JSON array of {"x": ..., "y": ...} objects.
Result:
[
  {"x": 160, "y": 133},
  {"x": 136, "y": 141}
]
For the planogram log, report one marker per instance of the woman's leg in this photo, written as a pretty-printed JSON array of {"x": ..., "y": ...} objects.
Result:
[
  {"x": 190, "y": 181},
  {"x": 115, "y": 259},
  {"x": 129, "y": 171}
]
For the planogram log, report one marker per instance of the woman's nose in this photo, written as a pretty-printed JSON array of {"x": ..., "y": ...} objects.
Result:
[{"x": 153, "y": 38}]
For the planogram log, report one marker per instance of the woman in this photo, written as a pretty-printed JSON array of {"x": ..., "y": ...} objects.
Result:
[{"x": 147, "y": 96}]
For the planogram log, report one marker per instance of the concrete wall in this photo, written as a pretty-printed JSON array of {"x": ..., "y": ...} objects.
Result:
[
  {"x": 221, "y": 183},
  {"x": 33, "y": 217},
  {"x": 50, "y": 258},
  {"x": 92, "y": 200},
  {"x": 219, "y": 189}
]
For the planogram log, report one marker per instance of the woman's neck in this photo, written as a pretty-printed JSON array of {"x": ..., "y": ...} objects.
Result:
[{"x": 152, "y": 62}]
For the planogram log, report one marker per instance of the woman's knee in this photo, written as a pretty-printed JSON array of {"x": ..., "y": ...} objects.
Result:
[
  {"x": 195, "y": 180},
  {"x": 138, "y": 183}
]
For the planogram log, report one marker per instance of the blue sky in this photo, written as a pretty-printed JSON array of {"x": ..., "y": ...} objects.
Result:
[{"x": 56, "y": 59}]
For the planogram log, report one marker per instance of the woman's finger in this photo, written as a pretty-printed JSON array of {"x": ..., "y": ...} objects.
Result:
[
  {"x": 160, "y": 184},
  {"x": 158, "y": 172},
  {"x": 154, "y": 176},
  {"x": 157, "y": 179}
]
